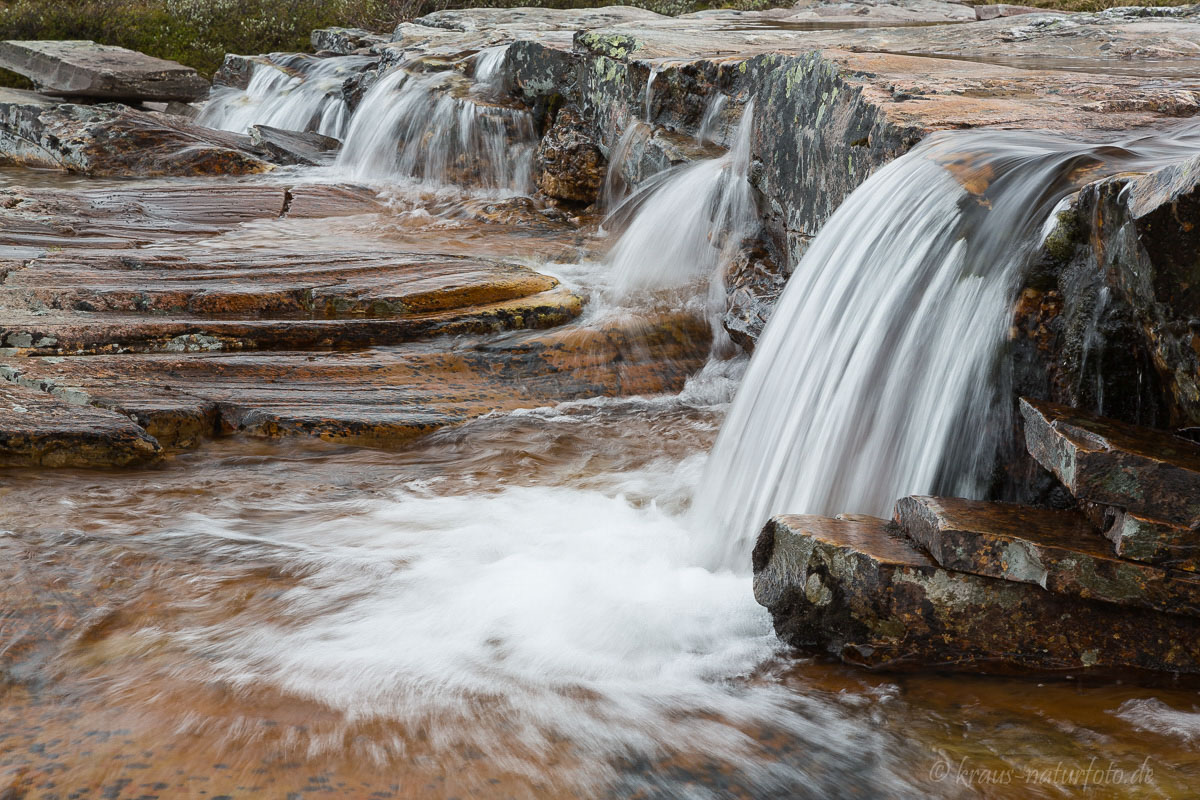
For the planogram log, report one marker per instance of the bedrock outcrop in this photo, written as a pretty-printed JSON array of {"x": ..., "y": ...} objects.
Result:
[
  {"x": 996, "y": 587},
  {"x": 97, "y": 71}
]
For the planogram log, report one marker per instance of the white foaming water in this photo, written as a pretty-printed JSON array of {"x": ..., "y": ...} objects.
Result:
[
  {"x": 875, "y": 377},
  {"x": 685, "y": 226},
  {"x": 433, "y": 127},
  {"x": 712, "y": 116},
  {"x": 298, "y": 93},
  {"x": 515, "y": 620}
]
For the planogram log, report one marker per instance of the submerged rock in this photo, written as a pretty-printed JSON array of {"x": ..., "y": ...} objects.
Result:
[{"x": 99, "y": 71}]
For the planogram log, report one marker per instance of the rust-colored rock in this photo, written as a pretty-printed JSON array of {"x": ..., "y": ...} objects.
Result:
[
  {"x": 852, "y": 587},
  {"x": 42, "y": 430},
  {"x": 1059, "y": 551}
]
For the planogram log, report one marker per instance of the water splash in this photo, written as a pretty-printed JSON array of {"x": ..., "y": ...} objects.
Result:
[
  {"x": 293, "y": 92},
  {"x": 876, "y": 376},
  {"x": 433, "y": 127}
]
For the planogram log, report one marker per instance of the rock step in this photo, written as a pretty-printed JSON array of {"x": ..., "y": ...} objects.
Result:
[
  {"x": 1059, "y": 551},
  {"x": 324, "y": 284},
  {"x": 377, "y": 397},
  {"x": 99, "y": 71},
  {"x": 82, "y": 334},
  {"x": 42, "y": 430},
  {"x": 1151, "y": 541},
  {"x": 1147, "y": 472},
  {"x": 851, "y": 586}
]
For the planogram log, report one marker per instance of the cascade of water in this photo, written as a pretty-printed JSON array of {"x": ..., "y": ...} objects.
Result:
[
  {"x": 294, "y": 92},
  {"x": 648, "y": 96},
  {"x": 429, "y": 127},
  {"x": 877, "y": 377},
  {"x": 615, "y": 186},
  {"x": 686, "y": 225},
  {"x": 712, "y": 115}
]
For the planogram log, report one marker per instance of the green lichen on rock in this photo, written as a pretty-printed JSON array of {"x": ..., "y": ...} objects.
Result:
[{"x": 613, "y": 45}]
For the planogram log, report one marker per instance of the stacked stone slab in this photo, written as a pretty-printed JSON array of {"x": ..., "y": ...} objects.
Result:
[{"x": 984, "y": 586}]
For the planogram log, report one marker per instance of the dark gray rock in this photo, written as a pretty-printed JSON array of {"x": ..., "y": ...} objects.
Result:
[
  {"x": 293, "y": 147},
  {"x": 568, "y": 160},
  {"x": 87, "y": 69}
]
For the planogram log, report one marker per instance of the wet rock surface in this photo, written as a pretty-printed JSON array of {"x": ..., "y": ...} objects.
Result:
[
  {"x": 97, "y": 71},
  {"x": 569, "y": 162},
  {"x": 291, "y": 147},
  {"x": 115, "y": 140},
  {"x": 854, "y": 588},
  {"x": 1104, "y": 461}
]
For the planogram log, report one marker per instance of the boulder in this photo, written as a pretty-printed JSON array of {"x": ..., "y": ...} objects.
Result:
[
  {"x": 1059, "y": 551},
  {"x": 568, "y": 161},
  {"x": 98, "y": 71},
  {"x": 293, "y": 147},
  {"x": 115, "y": 140},
  {"x": 1144, "y": 471},
  {"x": 852, "y": 587}
]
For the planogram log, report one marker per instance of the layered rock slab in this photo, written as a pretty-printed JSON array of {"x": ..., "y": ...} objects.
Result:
[
  {"x": 852, "y": 587},
  {"x": 1144, "y": 471},
  {"x": 38, "y": 429},
  {"x": 374, "y": 397},
  {"x": 1059, "y": 551},
  {"x": 100, "y": 71}
]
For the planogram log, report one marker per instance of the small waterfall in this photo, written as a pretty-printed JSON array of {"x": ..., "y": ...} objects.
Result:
[
  {"x": 712, "y": 117},
  {"x": 877, "y": 374},
  {"x": 615, "y": 186},
  {"x": 293, "y": 92},
  {"x": 440, "y": 128},
  {"x": 685, "y": 225}
]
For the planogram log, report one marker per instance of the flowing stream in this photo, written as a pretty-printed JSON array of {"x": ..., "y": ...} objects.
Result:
[{"x": 556, "y": 602}]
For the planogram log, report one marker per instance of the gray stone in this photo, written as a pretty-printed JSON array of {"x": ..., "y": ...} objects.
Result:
[
  {"x": 87, "y": 69},
  {"x": 293, "y": 147},
  {"x": 345, "y": 41},
  {"x": 1147, "y": 472},
  {"x": 115, "y": 140}
]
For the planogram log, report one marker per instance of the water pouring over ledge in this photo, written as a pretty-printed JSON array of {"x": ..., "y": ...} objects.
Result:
[{"x": 877, "y": 375}]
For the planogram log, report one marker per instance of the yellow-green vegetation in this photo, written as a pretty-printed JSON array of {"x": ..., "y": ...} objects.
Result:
[{"x": 196, "y": 32}]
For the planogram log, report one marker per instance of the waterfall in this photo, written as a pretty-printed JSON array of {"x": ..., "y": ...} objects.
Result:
[
  {"x": 685, "y": 225},
  {"x": 293, "y": 92},
  {"x": 877, "y": 375},
  {"x": 439, "y": 128}
]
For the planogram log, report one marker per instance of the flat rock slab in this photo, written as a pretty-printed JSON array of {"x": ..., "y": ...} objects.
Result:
[
  {"x": 374, "y": 397},
  {"x": 291, "y": 147},
  {"x": 39, "y": 429},
  {"x": 1059, "y": 551},
  {"x": 1145, "y": 471},
  {"x": 100, "y": 71},
  {"x": 852, "y": 587}
]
